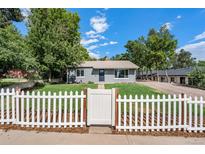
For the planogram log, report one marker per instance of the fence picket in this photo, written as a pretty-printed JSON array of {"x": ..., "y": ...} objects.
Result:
[
  {"x": 54, "y": 110},
  {"x": 22, "y": 109},
  {"x": 2, "y": 106},
  {"x": 180, "y": 111},
  {"x": 44, "y": 113},
  {"x": 38, "y": 109},
  {"x": 33, "y": 108},
  {"x": 174, "y": 118},
  {"x": 49, "y": 109},
  {"x": 195, "y": 115},
  {"x": 152, "y": 112},
  {"x": 13, "y": 105},
  {"x": 76, "y": 109},
  {"x": 81, "y": 109},
  {"x": 119, "y": 111},
  {"x": 59, "y": 109},
  {"x": 158, "y": 112},
  {"x": 136, "y": 112},
  {"x": 141, "y": 113},
  {"x": 190, "y": 114},
  {"x": 201, "y": 114},
  {"x": 147, "y": 112},
  {"x": 65, "y": 109},
  {"x": 7, "y": 106},
  {"x": 125, "y": 112},
  {"x": 169, "y": 112},
  {"x": 71, "y": 108},
  {"x": 130, "y": 112},
  {"x": 185, "y": 112},
  {"x": 17, "y": 107},
  {"x": 164, "y": 113},
  {"x": 27, "y": 109}
]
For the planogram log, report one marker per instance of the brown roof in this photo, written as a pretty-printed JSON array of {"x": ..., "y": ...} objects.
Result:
[{"x": 109, "y": 64}]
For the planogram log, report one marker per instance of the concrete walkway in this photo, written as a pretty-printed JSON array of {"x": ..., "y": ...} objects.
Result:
[
  {"x": 31, "y": 137},
  {"x": 173, "y": 89},
  {"x": 101, "y": 86}
]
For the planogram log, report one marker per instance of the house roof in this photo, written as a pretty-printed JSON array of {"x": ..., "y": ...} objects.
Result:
[
  {"x": 172, "y": 72},
  {"x": 109, "y": 64}
]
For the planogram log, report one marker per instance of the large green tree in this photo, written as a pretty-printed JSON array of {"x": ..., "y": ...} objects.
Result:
[
  {"x": 183, "y": 59},
  {"x": 162, "y": 46},
  {"x": 14, "y": 51},
  {"x": 7, "y": 15},
  {"x": 55, "y": 39}
]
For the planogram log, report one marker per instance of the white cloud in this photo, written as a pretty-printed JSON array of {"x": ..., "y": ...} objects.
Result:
[
  {"x": 25, "y": 12},
  {"x": 168, "y": 25},
  {"x": 94, "y": 55},
  {"x": 113, "y": 42},
  {"x": 99, "y": 24},
  {"x": 199, "y": 37},
  {"x": 91, "y": 32},
  {"x": 104, "y": 44},
  {"x": 89, "y": 41},
  {"x": 92, "y": 47},
  {"x": 179, "y": 17},
  {"x": 107, "y": 53},
  {"x": 197, "y": 49}
]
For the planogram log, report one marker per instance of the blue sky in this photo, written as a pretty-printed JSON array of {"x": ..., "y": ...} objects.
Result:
[{"x": 104, "y": 32}]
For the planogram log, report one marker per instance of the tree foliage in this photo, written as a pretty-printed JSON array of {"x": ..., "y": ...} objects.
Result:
[
  {"x": 55, "y": 39},
  {"x": 7, "y": 15},
  {"x": 14, "y": 51},
  {"x": 183, "y": 59}
]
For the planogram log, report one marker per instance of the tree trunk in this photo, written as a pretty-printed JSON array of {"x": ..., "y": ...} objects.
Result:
[
  {"x": 167, "y": 75},
  {"x": 157, "y": 75},
  {"x": 49, "y": 76}
]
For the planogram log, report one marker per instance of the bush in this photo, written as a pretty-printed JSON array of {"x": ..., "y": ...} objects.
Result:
[{"x": 90, "y": 82}]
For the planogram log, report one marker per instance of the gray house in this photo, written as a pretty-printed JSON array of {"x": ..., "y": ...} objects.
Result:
[{"x": 103, "y": 71}]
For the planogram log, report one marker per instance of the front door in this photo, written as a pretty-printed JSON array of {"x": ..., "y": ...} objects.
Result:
[{"x": 101, "y": 75}]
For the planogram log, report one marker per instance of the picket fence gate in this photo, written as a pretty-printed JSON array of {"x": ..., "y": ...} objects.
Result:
[
  {"x": 160, "y": 114},
  {"x": 42, "y": 109}
]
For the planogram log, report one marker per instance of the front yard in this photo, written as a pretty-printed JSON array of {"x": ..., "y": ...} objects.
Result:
[
  {"x": 65, "y": 87},
  {"x": 10, "y": 81},
  {"x": 133, "y": 89}
]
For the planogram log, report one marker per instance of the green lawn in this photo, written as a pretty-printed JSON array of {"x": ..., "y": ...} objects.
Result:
[
  {"x": 133, "y": 89},
  {"x": 10, "y": 81},
  {"x": 65, "y": 87}
]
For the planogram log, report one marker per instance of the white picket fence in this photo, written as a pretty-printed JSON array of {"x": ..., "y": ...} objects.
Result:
[
  {"x": 160, "y": 113},
  {"x": 42, "y": 109}
]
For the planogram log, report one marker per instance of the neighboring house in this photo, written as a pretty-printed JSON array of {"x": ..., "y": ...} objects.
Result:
[
  {"x": 103, "y": 71},
  {"x": 179, "y": 76}
]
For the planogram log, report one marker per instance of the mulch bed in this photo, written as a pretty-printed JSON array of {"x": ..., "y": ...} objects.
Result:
[
  {"x": 40, "y": 129},
  {"x": 160, "y": 133}
]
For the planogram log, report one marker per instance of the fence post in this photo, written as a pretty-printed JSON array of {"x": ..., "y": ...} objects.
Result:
[
  {"x": 116, "y": 107},
  {"x": 182, "y": 113},
  {"x": 85, "y": 107}
]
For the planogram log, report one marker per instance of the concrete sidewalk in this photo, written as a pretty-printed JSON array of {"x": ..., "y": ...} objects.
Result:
[{"x": 32, "y": 137}]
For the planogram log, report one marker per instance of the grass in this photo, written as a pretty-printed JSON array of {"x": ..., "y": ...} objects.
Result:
[
  {"x": 65, "y": 87},
  {"x": 133, "y": 89},
  {"x": 10, "y": 81}
]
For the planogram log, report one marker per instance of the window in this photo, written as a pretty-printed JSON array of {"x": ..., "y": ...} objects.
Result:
[
  {"x": 121, "y": 73},
  {"x": 172, "y": 79},
  {"x": 80, "y": 73}
]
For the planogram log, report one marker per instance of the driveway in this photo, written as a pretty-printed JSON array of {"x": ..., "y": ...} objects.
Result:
[
  {"x": 19, "y": 137},
  {"x": 173, "y": 89}
]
